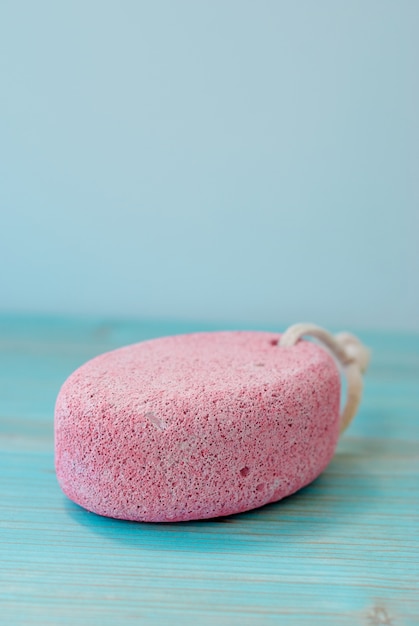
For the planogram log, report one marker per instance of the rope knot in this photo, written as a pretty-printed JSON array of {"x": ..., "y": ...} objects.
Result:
[
  {"x": 355, "y": 350},
  {"x": 347, "y": 350}
]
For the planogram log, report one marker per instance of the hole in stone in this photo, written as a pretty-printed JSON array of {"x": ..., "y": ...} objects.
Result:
[
  {"x": 274, "y": 342},
  {"x": 260, "y": 487},
  {"x": 244, "y": 471}
]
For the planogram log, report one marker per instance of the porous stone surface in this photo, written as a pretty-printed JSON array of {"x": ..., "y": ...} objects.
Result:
[{"x": 196, "y": 426}]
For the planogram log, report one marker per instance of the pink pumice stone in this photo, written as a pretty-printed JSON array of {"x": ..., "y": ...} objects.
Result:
[{"x": 196, "y": 426}]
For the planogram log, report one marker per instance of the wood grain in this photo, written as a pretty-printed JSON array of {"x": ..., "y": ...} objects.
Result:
[{"x": 343, "y": 551}]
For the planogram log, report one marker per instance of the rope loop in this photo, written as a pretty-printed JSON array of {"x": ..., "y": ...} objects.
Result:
[{"x": 350, "y": 353}]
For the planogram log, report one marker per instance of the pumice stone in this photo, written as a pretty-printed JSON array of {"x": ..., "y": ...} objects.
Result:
[{"x": 198, "y": 426}]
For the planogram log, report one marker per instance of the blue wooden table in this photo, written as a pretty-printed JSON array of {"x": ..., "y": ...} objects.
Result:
[{"x": 343, "y": 551}]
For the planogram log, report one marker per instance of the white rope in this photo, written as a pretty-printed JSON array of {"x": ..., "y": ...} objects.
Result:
[{"x": 349, "y": 352}]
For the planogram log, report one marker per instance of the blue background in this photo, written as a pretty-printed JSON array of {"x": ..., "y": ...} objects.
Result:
[{"x": 253, "y": 162}]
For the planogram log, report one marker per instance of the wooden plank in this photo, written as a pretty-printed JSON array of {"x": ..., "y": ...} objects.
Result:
[{"x": 344, "y": 550}]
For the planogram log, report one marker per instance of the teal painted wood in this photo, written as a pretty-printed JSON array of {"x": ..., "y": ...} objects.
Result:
[{"x": 343, "y": 551}]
